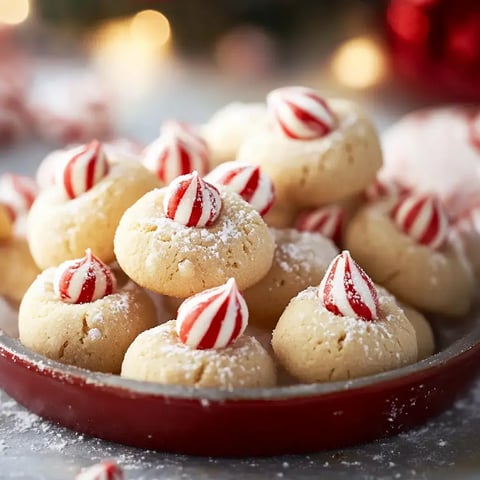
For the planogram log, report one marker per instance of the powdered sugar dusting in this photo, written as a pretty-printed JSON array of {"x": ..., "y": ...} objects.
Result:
[{"x": 302, "y": 251}]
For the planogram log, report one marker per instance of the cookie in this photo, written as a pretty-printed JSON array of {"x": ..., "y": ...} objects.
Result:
[
  {"x": 203, "y": 347},
  {"x": 74, "y": 314},
  {"x": 228, "y": 127},
  {"x": 345, "y": 328},
  {"x": 82, "y": 210},
  {"x": 407, "y": 250},
  {"x": 17, "y": 267},
  {"x": 182, "y": 239},
  {"x": 314, "y": 166},
  {"x": 423, "y": 331},
  {"x": 300, "y": 260}
]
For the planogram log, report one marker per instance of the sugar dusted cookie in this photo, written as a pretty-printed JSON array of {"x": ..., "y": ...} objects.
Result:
[
  {"x": 203, "y": 347},
  {"x": 179, "y": 150},
  {"x": 345, "y": 328},
  {"x": 75, "y": 314},
  {"x": 315, "y": 152},
  {"x": 407, "y": 249},
  {"x": 83, "y": 208},
  {"x": 17, "y": 194},
  {"x": 300, "y": 260},
  {"x": 191, "y": 236},
  {"x": 423, "y": 331},
  {"x": 228, "y": 127}
]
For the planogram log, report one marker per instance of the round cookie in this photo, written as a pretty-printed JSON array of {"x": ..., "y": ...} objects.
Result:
[
  {"x": 280, "y": 216},
  {"x": 87, "y": 221},
  {"x": 309, "y": 173},
  {"x": 204, "y": 347},
  {"x": 300, "y": 260},
  {"x": 435, "y": 280},
  {"x": 17, "y": 267},
  {"x": 228, "y": 127},
  {"x": 158, "y": 356},
  {"x": 315, "y": 344},
  {"x": 423, "y": 330},
  {"x": 92, "y": 335},
  {"x": 170, "y": 258}
]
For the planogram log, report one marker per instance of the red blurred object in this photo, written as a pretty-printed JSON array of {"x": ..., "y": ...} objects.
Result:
[
  {"x": 436, "y": 45},
  {"x": 102, "y": 471}
]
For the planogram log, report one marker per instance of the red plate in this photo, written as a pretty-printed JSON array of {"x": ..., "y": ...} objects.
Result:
[{"x": 293, "y": 419}]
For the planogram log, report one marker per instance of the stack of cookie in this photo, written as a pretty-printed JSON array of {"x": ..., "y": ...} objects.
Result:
[{"x": 238, "y": 223}]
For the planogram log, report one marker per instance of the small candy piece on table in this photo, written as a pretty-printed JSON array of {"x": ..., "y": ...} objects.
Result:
[{"x": 101, "y": 471}]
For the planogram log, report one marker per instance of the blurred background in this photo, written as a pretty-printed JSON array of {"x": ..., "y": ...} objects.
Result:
[{"x": 73, "y": 70}]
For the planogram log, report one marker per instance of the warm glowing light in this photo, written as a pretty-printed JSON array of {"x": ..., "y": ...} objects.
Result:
[
  {"x": 359, "y": 63},
  {"x": 13, "y": 12},
  {"x": 129, "y": 50},
  {"x": 150, "y": 26}
]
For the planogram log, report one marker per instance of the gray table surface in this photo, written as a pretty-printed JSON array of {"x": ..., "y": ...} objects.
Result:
[{"x": 446, "y": 448}]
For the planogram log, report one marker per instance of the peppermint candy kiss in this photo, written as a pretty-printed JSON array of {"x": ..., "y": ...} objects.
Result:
[
  {"x": 178, "y": 151},
  {"x": 346, "y": 290},
  {"x": 301, "y": 113},
  {"x": 17, "y": 192},
  {"x": 102, "y": 471},
  {"x": 325, "y": 220},
  {"x": 422, "y": 218},
  {"x": 214, "y": 318},
  {"x": 383, "y": 189},
  {"x": 191, "y": 201},
  {"x": 248, "y": 181},
  {"x": 84, "y": 280},
  {"x": 83, "y": 167}
]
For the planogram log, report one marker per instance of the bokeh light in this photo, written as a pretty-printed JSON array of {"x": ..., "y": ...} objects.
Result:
[
  {"x": 129, "y": 50},
  {"x": 359, "y": 63},
  {"x": 14, "y": 12}
]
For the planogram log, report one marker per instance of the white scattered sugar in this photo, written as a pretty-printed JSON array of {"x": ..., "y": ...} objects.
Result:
[
  {"x": 94, "y": 334},
  {"x": 301, "y": 252}
]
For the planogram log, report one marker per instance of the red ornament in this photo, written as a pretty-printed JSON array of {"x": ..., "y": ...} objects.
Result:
[{"x": 436, "y": 45}]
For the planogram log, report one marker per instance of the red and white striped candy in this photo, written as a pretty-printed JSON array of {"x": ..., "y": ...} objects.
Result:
[
  {"x": 254, "y": 186},
  {"x": 325, "y": 220},
  {"x": 191, "y": 201},
  {"x": 178, "y": 151},
  {"x": 102, "y": 471},
  {"x": 214, "y": 318},
  {"x": 17, "y": 192},
  {"x": 301, "y": 113},
  {"x": 84, "y": 280},
  {"x": 422, "y": 218},
  {"x": 83, "y": 168},
  {"x": 384, "y": 189},
  {"x": 346, "y": 290}
]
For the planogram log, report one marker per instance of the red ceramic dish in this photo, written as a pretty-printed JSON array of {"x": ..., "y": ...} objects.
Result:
[{"x": 293, "y": 419}]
